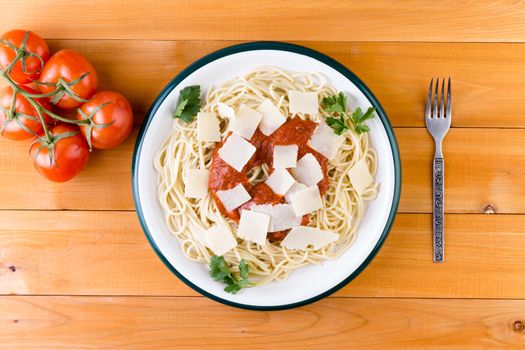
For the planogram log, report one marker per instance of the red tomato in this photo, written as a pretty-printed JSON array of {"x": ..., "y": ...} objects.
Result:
[
  {"x": 69, "y": 66},
  {"x": 71, "y": 154},
  {"x": 116, "y": 114},
  {"x": 34, "y": 44},
  {"x": 11, "y": 129}
]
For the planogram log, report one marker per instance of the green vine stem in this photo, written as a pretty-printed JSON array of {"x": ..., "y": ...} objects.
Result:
[{"x": 61, "y": 87}]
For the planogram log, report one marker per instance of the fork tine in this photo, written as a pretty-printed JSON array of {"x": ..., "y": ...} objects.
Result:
[
  {"x": 442, "y": 100},
  {"x": 449, "y": 99},
  {"x": 435, "y": 114},
  {"x": 429, "y": 100}
]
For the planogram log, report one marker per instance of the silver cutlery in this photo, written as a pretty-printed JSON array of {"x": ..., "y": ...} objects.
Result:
[{"x": 437, "y": 119}]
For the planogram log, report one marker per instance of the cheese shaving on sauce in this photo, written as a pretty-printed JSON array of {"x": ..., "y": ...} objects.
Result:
[
  {"x": 234, "y": 198},
  {"x": 306, "y": 201},
  {"x": 285, "y": 156},
  {"x": 325, "y": 141},
  {"x": 297, "y": 186},
  {"x": 308, "y": 170},
  {"x": 253, "y": 226},
  {"x": 236, "y": 151},
  {"x": 280, "y": 181},
  {"x": 272, "y": 117},
  {"x": 282, "y": 216}
]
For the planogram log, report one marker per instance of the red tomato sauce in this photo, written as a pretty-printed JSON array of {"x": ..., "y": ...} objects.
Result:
[{"x": 223, "y": 177}]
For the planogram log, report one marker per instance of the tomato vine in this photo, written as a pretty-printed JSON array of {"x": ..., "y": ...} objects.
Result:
[{"x": 61, "y": 88}]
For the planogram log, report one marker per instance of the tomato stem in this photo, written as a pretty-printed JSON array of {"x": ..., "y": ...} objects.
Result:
[{"x": 61, "y": 88}]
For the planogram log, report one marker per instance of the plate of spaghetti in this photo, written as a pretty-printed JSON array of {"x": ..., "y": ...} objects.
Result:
[{"x": 266, "y": 176}]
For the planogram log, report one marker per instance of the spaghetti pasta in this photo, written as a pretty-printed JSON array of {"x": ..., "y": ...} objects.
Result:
[{"x": 188, "y": 218}]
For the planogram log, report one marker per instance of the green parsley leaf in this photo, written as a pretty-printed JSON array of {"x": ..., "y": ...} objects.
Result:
[
  {"x": 220, "y": 272},
  {"x": 336, "y": 103},
  {"x": 243, "y": 269},
  {"x": 189, "y": 103},
  {"x": 338, "y": 120},
  {"x": 358, "y": 118}
]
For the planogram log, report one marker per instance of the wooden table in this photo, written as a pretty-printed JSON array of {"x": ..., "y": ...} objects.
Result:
[{"x": 76, "y": 272}]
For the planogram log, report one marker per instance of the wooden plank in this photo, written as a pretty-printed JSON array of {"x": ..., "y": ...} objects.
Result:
[
  {"x": 196, "y": 323},
  {"x": 496, "y": 156},
  {"x": 486, "y": 93},
  {"x": 378, "y": 20},
  {"x": 104, "y": 184},
  {"x": 90, "y": 253},
  {"x": 482, "y": 167}
]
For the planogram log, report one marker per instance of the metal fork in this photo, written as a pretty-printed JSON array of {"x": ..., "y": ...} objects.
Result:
[{"x": 438, "y": 123}]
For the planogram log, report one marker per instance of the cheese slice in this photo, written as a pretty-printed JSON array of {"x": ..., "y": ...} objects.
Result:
[
  {"x": 225, "y": 111},
  {"x": 272, "y": 117},
  {"x": 308, "y": 170},
  {"x": 300, "y": 238},
  {"x": 360, "y": 176},
  {"x": 236, "y": 151},
  {"x": 306, "y": 201},
  {"x": 325, "y": 141},
  {"x": 297, "y": 186},
  {"x": 303, "y": 102},
  {"x": 253, "y": 226},
  {"x": 234, "y": 198},
  {"x": 219, "y": 239},
  {"x": 282, "y": 216},
  {"x": 246, "y": 121},
  {"x": 208, "y": 127},
  {"x": 196, "y": 183},
  {"x": 285, "y": 156},
  {"x": 280, "y": 181}
]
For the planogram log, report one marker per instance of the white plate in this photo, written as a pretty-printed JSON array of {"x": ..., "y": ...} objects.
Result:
[{"x": 304, "y": 285}]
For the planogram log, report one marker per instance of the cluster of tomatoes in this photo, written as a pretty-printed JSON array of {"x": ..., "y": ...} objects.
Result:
[{"x": 54, "y": 101}]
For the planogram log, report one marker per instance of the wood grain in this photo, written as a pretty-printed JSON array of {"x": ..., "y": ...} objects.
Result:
[
  {"x": 196, "y": 323},
  {"x": 327, "y": 20},
  {"x": 496, "y": 156},
  {"x": 93, "y": 253},
  {"x": 486, "y": 94}
]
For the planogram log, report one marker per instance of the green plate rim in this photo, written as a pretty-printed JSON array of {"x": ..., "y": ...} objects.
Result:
[{"x": 280, "y": 46}]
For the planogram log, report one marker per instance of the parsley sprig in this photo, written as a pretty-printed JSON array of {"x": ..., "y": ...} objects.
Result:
[
  {"x": 189, "y": 103},
  {"x": 339, "y": 118},
  {"x": 220, "y": 272}
]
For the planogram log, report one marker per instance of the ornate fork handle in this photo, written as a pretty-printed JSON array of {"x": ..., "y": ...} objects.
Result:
[{"x": 438, "y": 212}]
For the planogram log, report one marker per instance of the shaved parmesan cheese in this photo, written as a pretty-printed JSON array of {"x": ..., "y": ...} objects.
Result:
[
  {"x": 285, "y": 156},
  {"x": 282, "y": 216},
  {"x": 303, "y": 102},
  {"x": 306, "y": 201},
  {"x": 196, "y": 183},
  {"x": 234, "y": 198},
  {"x": 246, "y": 121},
  {"x": 225, "y": 111},
  {"x": 300, "y": 238},
  {"x": 253, "y": 226},
  {"x": 295, "y": 187},
  {"x": 236, "y": 151},
  {"x": 280, "y": 181},
  {"x": 219, "y": 239},
  {"x": 360, "y": 176},
  {"x": 208, "y": 128},
  {"x": 272, "y": 117},
  {"x": 325, "y": 141},
  {"x": 308, "y": 170}
]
